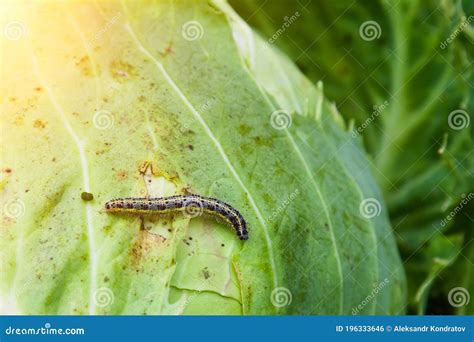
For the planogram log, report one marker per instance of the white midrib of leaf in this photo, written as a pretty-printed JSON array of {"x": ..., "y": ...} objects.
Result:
[
  {"x": 86, "y": 184},
  {"x": 216, "y": 143},
  {"x": 361, "y": 197},
  {"x": 307, "y": 169},
  {"x": 237, "y": 24}
]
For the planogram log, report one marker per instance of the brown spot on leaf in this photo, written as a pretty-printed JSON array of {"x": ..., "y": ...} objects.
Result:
[
  {"x": 85, "y": 66},
  {"x": 39, "y": 124},
  {"x": 244, "y": 129},
  {"x": 121, "y": 71},
  {"x": 144, "y": 246},
  {"x": 166, "y": 51},
  {"x": 121, "y": 175},
  {"x": 206, "y": 273}
]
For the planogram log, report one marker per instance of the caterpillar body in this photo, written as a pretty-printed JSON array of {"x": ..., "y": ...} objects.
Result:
[{"x": 192, "y": 205}]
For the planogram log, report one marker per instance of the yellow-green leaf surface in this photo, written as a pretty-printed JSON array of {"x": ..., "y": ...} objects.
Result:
[{"x": 135, "y": 99}]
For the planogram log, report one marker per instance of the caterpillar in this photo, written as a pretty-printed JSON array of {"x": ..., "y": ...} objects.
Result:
[{"x": 192, "y": 205}]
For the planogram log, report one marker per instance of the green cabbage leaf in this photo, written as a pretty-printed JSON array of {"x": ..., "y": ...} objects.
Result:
[{"x": 131, "y": 99}]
